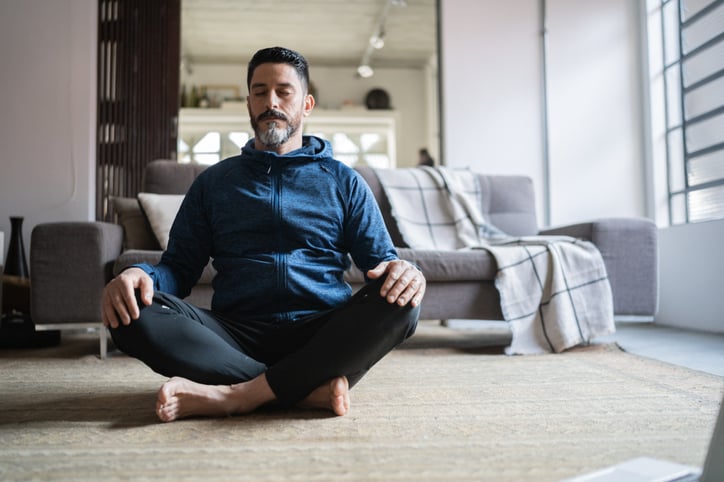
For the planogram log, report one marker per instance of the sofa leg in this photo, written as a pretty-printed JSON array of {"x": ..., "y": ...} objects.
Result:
[
  {"x": 102, "y": 331},
  {"x": 103, "y": 335}
]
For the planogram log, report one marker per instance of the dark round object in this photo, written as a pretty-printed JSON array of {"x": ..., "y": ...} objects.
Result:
[{"x": 377, "y": 99}]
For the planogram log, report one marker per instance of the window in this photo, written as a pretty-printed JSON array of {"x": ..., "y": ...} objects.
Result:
[
  {"x": 210, "y": 146},
  {"x": 693, "y": 76},
  {"x": 358, "y": 138}
]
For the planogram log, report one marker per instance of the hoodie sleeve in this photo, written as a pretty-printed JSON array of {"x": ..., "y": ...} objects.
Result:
[
  {"x": 365, "y": 230},
  {"x": 189, "y": 247}
]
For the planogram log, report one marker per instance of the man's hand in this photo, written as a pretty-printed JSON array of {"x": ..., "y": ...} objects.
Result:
[
  {"x": 404, "y": 283},
  {"x": 119, "y": 304}
]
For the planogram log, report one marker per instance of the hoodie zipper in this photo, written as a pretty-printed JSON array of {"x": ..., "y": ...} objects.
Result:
[{"x": 280, "y": 257}]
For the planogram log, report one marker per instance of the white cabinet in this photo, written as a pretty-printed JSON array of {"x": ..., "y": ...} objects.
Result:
[{"x": 367, "y": 137}]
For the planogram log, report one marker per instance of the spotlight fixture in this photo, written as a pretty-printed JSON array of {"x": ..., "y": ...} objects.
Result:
[
  {"x": 378, "y": 40},
  {"x": 365, "y": 71}
]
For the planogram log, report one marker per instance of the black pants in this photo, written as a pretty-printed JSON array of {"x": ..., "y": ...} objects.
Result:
[{"x": 175, "y": 338}]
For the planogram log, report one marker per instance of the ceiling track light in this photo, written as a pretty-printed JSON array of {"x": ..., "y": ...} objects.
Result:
[{"x": 377, "y": 39}]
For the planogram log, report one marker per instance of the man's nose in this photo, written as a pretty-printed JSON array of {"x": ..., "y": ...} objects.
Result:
[{"x": 272, "y": 101}]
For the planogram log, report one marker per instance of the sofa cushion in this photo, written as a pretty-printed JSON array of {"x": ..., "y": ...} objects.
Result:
[
  {"x": 509, "y": 204},
  {"x": 137, "y": 233},
  {"x": 444, "y": 266},
  {"x": 160, "y": 210}
]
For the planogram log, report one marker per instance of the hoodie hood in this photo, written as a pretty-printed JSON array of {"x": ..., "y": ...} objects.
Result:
[{"x": 313, "y": 148}]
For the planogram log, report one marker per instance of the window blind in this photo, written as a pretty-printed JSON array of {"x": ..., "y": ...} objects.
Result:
[{"x": 693, "y": 34}]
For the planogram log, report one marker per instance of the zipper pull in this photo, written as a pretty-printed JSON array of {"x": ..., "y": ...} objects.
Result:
[{"x": 269, "y": 170}]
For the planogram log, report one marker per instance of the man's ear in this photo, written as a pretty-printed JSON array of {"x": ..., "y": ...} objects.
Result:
[{"x": 308, "y": 104}]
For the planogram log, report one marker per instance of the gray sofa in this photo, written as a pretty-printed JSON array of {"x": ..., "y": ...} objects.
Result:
[{"x": 71, "y": 261}]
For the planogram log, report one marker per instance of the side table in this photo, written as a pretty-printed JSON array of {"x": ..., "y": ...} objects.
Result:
[{"x": 17, "y": 329}]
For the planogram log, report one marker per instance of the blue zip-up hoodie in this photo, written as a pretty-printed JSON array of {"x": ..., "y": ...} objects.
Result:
[{"x": 279, "y": 230}]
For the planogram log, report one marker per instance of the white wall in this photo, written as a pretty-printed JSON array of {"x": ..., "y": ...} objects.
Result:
[
  {"x": 492, "y": 95},
  {"x": 692, "y": 276},
  {"x": 339, "y": 86},
  {"x": 491, "y": 113},
  {"x": 596, "y": 135},
  {"x": 47, "y": 124}
]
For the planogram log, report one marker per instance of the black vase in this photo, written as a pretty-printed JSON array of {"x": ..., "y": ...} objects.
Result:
[{"x": 16, "y": 264}]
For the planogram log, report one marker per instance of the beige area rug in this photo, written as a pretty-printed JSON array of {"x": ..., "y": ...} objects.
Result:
[{"x": 442, "y": 407}]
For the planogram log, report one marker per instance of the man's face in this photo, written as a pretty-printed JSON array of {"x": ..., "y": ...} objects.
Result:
[{"x": 277, "y": 102}]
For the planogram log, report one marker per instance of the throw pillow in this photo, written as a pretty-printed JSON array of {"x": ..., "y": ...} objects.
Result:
[
  {"x": 160, "y": 210},
  {"x": 137, "y": 233}
]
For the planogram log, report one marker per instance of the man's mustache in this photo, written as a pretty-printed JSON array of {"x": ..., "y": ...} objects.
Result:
[{"x": 272, "y": 114}]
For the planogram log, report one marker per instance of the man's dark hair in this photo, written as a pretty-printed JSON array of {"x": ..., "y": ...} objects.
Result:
[{"x": 279, "y": 55}]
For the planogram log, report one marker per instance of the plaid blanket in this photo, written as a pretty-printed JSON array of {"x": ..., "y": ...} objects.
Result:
[{"x": 554, "y": 290}]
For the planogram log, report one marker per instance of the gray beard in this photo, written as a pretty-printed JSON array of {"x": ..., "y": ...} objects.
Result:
[{"x": 274, "y": 136}]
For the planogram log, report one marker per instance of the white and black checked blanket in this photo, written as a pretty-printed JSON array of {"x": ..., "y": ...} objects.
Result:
[{"x": 554, "y": 290}]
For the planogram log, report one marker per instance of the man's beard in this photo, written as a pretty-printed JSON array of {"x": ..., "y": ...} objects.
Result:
[{"x": 274, "y": 135}]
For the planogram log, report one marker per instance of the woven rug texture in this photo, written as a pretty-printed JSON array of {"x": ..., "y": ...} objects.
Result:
[{"x": 441, "y": 407}]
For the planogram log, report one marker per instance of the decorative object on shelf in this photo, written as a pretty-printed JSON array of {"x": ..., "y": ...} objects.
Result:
[
  {"x": 204, "y": 101},
  {"x": 193, "y": 99},
  {"x": 17, "y": 329},
  {"x": 425, "y": 159},
  {"x": 16, "y": 264},
  {"x": 217, "y": 94},
  {"x": 2, "y": 258},
  {"x": 377, "y": 99},
  {"x": 183, "y": 100},
  {"x": 16, "y": 278}
]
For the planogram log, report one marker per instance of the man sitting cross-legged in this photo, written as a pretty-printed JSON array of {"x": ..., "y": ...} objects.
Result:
[{"x": 279, "y": 221}]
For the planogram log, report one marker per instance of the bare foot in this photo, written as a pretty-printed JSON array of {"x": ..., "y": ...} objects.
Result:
[
  {"x": 332, "y": 396},
  {"x": 180, "y": 398}
]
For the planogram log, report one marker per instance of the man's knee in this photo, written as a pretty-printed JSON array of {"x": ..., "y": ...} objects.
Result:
[
  {"x": 401, "y": 320},
  {"x": 408, "y": 318},
  {"x": 132, "y": 338},
  {"x": 129, "y": 338}
]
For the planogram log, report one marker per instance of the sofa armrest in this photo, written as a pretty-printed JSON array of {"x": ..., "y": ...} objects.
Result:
[
  {"x": 135, "y": 256},
  {"x": 629, "y": 247},
  {"x": 70, "y": 263}
]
